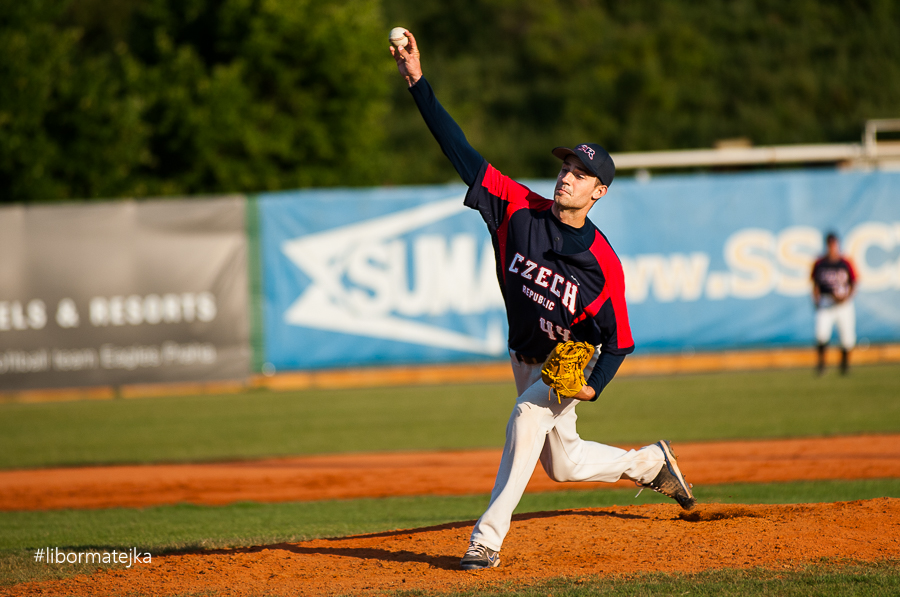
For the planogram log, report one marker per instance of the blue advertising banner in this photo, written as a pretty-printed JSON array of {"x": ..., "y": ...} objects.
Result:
[
  {"x": 724, "y": 261},
  {"x": 406, "y": 275},
  {"x": 401, "y": 275}
]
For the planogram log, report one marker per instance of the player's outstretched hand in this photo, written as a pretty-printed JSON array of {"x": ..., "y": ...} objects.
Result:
[{"x": 408, "y": 60}]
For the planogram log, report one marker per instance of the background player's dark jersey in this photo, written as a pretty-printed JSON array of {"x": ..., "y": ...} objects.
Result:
[{"x": 834, "y": 279}]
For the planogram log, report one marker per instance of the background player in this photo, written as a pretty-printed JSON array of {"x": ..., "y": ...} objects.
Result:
[
  {"x": 561, "y": 280},
  {"x": 834, "y": 281}
]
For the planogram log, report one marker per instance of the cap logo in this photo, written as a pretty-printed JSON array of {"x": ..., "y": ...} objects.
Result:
[{"x": 587, "y": 150}]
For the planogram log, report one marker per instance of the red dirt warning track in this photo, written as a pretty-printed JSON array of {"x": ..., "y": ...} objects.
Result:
[{"x": 433, "y": 473}]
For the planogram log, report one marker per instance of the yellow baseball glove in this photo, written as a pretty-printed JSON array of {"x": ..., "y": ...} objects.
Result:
[{"x": 563, "y": 370}]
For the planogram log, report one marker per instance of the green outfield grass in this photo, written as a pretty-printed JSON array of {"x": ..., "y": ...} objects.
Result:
[
  {"x": 165, "y": 529},
  {"x": 782, "y": 403},
  {"x": 786, "y": 403}
]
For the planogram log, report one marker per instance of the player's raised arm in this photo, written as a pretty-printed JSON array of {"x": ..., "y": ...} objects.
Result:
[
  {"x": 407, "y": 58},
  {"x": 449, "y": 136}
]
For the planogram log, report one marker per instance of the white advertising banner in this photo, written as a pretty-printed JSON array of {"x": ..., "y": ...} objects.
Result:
[{"x": 127, "y": 292}]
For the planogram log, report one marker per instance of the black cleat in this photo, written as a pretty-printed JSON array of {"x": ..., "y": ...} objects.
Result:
[
  {"x": 479, "y": 557},
  {"x": 670, "y": 482}
]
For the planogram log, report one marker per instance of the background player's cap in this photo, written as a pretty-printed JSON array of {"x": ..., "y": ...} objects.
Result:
[{"x": 594, "y": 157}]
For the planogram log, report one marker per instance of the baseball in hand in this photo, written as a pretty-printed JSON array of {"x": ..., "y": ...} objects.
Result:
[{"x": 398, "y": 37}]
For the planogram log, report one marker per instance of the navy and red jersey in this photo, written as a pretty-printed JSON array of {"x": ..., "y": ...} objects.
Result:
[
  {"x": 559, "y": 283},
  {"x": 833, "y": 279},
  {"x": 550, "y": 297}
]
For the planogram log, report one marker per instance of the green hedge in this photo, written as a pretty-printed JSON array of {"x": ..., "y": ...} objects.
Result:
[{"x": 111, "y": 98}]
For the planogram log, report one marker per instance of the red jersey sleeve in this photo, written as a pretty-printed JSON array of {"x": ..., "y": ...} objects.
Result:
[
  {"x": 851, "y": 271},
  {"x": 497, "y": 196}
]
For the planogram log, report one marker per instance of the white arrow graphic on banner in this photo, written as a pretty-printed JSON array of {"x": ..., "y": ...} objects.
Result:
[{"x": 324, "y": 304}]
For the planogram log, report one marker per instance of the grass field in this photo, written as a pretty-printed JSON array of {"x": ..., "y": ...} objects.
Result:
[
  {"x": 784, "y": 403},
  {"x": 824, "y": 580},
  {"x": 194, "y": 428},
  {"x": 166, "y": 529}
]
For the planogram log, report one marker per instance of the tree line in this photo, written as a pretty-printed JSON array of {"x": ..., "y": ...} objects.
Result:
[{"x": 140, "y": 98}]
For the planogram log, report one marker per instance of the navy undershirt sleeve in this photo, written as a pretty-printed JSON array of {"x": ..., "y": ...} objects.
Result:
[
  {"x": 449, "y": 136},
  {"x": 604, "y": 371}
]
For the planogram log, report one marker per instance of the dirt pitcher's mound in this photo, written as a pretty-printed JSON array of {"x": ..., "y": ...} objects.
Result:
[{"x": 540, "y": 545}]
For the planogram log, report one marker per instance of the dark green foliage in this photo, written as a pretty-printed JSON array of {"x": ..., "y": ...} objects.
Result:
[
  {"x": 251, "y": 96},
  {"x": 68, "y": 124},
  {"x": 523, "y": 77},
  {"x": 105, "y": 98},
  {"x": 164, "y": 97}
]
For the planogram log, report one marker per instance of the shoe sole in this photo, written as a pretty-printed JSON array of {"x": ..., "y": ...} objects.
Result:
[
  {"x": 494, "y": 564},
  {"x": 471, "y": 567},
  {"x": 672, "y": 464}
]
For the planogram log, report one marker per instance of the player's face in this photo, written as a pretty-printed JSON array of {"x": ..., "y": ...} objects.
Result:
[
  {"x": 576, "y": 188},
  {"x": 834, "y": 250}
]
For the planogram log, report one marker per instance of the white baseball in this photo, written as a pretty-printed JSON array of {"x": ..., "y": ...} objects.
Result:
[{"x": 398, "y": 39}]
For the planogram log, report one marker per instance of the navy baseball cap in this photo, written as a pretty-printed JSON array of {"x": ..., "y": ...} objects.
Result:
[{"x": 596, "y": 159}]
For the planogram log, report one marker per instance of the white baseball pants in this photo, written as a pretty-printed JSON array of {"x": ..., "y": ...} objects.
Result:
[
  {"x": 842, "y": 315},
  {"x": 543, "y": 429}
]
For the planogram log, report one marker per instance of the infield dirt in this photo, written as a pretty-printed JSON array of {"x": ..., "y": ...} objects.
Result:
[
  {"x": 542, "y": 545},
  {"x": 430, "y": 473}
]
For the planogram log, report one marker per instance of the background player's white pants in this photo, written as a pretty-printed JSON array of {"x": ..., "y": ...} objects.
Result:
[
  {"x": 843, "y": 315},
  {"x": 541, "y": 429}
]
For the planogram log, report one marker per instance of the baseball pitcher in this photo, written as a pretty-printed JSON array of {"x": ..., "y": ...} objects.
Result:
[{"x": 564, "y": 293}]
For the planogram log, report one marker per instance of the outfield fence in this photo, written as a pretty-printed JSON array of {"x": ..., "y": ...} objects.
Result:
[{"x": 234, "y": 291}]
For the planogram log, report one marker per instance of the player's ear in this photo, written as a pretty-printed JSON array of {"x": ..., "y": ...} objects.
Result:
[{"x": 599, "y": 190}]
